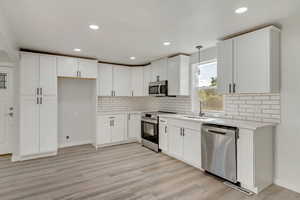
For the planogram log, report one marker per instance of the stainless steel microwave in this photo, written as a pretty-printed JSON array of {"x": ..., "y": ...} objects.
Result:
[{"x": 158, "y": 89}]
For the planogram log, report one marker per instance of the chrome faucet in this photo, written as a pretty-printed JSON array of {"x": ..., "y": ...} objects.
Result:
[{"x": 201, "y": 113}]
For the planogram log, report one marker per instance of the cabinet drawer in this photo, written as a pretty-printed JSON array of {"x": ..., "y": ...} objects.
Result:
[{"x": 185, "y": 124}]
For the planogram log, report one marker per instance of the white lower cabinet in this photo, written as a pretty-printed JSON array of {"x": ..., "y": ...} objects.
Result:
[
  {"x": 192, "y": 146},
  {"x": 111, "y": 129},
  {"x": 185, "y": 143},
  {"x": 255, "y": 158},
  {"x": 134, "y": 126}
]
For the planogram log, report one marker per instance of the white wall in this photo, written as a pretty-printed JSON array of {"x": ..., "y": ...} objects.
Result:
[
  {"x": 7, "y": 41},
  {"x": 76, "y": 108},
  {"x": 287, "y": 158}
]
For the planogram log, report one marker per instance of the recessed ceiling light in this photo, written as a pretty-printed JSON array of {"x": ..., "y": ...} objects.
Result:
[
  {"x": 94, "y": 27},
  {"x": 77, "y": 50},
  {"x": 132, "y": 58},
  {"x": 167, "y": 43},
  {"x": 241, "y": 10}
]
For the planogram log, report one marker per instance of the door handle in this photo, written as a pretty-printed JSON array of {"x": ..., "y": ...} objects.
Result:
[{"x": 234, "y": 88}]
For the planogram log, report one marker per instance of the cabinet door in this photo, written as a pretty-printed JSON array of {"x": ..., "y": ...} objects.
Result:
[
  {"x": 147, "y": 79},
  {"x": 134, "y": 126},
  {"x": 48, "y": 75},
  {"x": 192, "y": 146},
  {"x": 118, "y": 128},
  {"x": 225, "y": 66},
  {"x": 245, "y": 157},
  {"x": 29, "y": 74},
  {"x": 175, "y": 141},
  {"x": 163, "y": 138},
  {"x": 105, "y": 80},
  {"x": 104, "y": 130},
  {"x": 160, "y": 70},
  {"x": 121, "y": 79},
  {"x": 251, "y": 53},
  {"x": 67, "y": 66},
  {"x": 173, "y": 76},
  {"x": 137, "y": 81},
  {"x": 48, "y": 125},
  {"x": 87, "y": 68},
  {"x": 29, "y": 126}
]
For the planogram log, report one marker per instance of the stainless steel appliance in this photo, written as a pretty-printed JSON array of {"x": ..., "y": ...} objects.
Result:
[
  {"x": 218, "y": 151},
  {"x": 158, "y": 89},
  {"x": 150, "y": 128},
  {"x": 150, "y": 131}
]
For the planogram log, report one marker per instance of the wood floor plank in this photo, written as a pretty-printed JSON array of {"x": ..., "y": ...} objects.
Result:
[{"x": 123, "y": 172}]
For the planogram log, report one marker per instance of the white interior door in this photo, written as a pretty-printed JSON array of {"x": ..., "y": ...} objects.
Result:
[{"x": 6, "y": 110}]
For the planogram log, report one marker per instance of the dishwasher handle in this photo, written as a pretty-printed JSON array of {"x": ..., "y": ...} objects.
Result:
[
  {"x": 220, "y": 131},
  {"x": 217, "y": 132}
]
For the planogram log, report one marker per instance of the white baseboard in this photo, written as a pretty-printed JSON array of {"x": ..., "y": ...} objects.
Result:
[
  {"x": 35, "y": 156},
  {"x": 71, "y": 144},
  {"x": 295, "y": 188},
  {"x": 118, "y": 143}
]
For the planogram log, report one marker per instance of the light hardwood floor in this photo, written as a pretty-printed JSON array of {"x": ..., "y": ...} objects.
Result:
[{"x": 121, "y": 172}]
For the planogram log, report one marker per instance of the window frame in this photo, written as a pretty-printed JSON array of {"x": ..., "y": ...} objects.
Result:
[{"x": 193, "y": 87}]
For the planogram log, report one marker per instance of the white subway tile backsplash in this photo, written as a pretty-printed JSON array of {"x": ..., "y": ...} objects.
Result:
[{"x": 254, "y": 107}]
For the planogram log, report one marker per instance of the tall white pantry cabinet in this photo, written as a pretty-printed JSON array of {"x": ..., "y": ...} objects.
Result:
[{"x": 38, "y": 106}]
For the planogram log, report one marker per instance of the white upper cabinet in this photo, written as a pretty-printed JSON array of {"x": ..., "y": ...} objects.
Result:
[
  {"x": 76, "y": 68},
  {"x": 105, "y": 80},
  {"x": 250, "y": 63},
  {"x": 29, "y": 73},
  {"x": 137, "y": 81},
  {"x": 147, "y": 78},
  {"x": 178, "y": 75},
  {"x": 257, "y": 61},
  {"x": 160, "y": 70},
  {"x": 87, "y": 68},
  {"x": 67, "y": 67},
  {"x": 225, "y": 66},
  {"x": 121, "y": 81},
  {"x": 48, "y": 78}
]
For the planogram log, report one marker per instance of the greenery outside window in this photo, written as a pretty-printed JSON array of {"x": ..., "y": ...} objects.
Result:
[{"x": 206, "y": 84}]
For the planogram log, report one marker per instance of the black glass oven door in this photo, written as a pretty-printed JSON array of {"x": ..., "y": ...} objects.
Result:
[
  {"x": 150, "y": 132},
  {"x": 153, "y": 89}
]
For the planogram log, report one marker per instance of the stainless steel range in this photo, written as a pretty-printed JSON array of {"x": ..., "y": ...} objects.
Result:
[{"x": 150, "y": 128}]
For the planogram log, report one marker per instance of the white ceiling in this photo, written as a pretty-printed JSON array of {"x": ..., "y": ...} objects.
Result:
[{"x": 134, "y": 27}]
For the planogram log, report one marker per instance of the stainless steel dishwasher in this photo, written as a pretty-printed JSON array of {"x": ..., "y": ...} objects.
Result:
[{"x": 218, "y": 151}]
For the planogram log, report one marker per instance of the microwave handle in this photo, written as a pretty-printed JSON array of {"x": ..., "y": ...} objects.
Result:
[{"x": 159, "y": 86}]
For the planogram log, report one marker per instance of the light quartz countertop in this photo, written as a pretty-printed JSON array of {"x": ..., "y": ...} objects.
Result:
[
  {"x": 220, "y": 121},
  {"x": 123, "y": 112}
]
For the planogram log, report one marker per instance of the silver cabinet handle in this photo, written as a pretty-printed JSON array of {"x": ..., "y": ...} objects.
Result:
[
  {"x": 180, "y": 131},
  {"x": 37, "y": 91},
  {"x": 234, "y": 87},
  {"x": 132, "y": 93},
  {"x": 112, "y": 93},
  {"x": 41, "y": 91},
  {"x": 229, "y": 87},
  {"x": 128, "y": 116},
  {"x": 37, "y": 101},
  {"x": 41, "y": 100},
  {"x": 183, "y": 132},
  {"x": 165, "y": 129}
]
